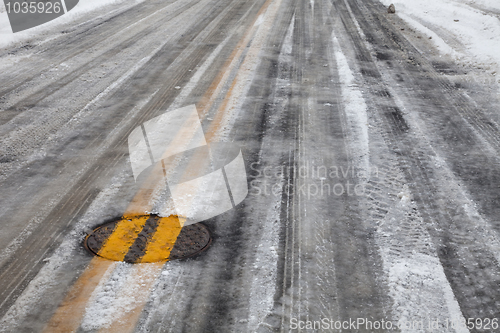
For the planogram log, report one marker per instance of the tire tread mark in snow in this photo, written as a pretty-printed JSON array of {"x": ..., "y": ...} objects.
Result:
[
  {"x": 94, "y": 34},
  {"x": 26, "y": 259},
  {"x": 221, "y": 295},
  {"x": 15, "y": 276},
  {"x": 460, "y": 255},
  {"x": 30, "y": 101}
]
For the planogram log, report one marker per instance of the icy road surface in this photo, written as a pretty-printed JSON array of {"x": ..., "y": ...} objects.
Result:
[{"x": 371, "y": 143}]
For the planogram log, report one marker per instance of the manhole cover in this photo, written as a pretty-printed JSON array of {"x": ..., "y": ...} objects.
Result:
[{"x": 148, "y": 238}]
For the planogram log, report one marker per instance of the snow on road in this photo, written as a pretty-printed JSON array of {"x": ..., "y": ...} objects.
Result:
[
  {"x": 467, "y": 30},
  {"x": 7, "y": 38},
  {"x": 109, "y": 301},
  {"x": 405, "y": 271}
]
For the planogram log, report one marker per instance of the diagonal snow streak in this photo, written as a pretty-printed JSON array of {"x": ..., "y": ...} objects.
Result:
[
  {"x": 241, "y": 84},
  {"x": 46, "y": 277},
  {"x": 49, "y": 275}
]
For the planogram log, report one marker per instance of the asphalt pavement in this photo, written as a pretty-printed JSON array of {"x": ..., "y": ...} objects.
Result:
[{"x": 372, "y": 166}]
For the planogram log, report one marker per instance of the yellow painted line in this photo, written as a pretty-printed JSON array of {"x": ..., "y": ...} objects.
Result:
[
  {"x": 117, "y": 245},
  {"x": 69, "y": 314},
  {"x": 71, "y": 311},
  {"x": 210, "y": 95},
  {"x": 122, "y": 238},
  {"x": 156, "y": 179},
  {"x": 232, "y": 96},
  {"x": 163, "y": 240},
  {"x": 220, "y": 80}
]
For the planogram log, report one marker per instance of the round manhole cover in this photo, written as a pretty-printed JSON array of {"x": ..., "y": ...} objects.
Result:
[{"x": 148, "y": 238}]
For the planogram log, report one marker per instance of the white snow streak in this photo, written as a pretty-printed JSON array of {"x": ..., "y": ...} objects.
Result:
[
  {"x": 355, "y": 110},
  {"x": 119, "y": 293},
  {"x": 265, "y": 268}
]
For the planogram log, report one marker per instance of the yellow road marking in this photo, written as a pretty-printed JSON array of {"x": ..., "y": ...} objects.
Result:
[
  {"x": 163, "y": 240},
  {"x": 120, "y": 240},
  {"x": 117, "y": 245},
  {"x": 209, "y": 97},
  {"x": 69, "y": 315},
  {"x": 231, "y": 98}
]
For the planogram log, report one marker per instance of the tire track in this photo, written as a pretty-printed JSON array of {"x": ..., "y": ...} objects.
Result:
[
  {"x": 219, "y": 301},
  {"x": 449, "y": 227},
  {"x": 46, "y": 91},
  {"x": 80, "y": 39},
  {"x": 46, "y": 230}
]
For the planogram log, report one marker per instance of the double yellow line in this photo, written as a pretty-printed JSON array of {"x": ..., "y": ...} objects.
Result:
[
  {"x": 69, "y": 314},
  {"x": 127, "y": 230}
]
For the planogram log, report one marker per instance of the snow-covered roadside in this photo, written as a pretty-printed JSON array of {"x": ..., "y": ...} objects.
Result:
[
  {"x": 466, "y": 30},
  {"x": 7, "y": 37}
]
